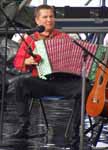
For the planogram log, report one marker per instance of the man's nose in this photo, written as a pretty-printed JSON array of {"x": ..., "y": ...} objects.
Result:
[{"x": 49, "y": 18}]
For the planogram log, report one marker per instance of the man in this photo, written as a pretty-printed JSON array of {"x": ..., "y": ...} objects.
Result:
[{"x": 57, "y": 84}]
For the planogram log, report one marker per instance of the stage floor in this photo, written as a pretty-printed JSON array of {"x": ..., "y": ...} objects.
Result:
[{"x": 58, "y": 113}]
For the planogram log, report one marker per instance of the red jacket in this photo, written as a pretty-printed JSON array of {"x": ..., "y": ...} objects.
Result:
[{"x": 23, "y": 51}]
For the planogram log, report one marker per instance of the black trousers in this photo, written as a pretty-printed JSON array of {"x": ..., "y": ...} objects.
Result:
[{"x": 57, "y": 84}]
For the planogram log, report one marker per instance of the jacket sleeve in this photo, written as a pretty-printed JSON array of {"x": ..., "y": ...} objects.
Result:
[
  {"x": 20, "y": 57},
  {"x": 23, "y": 53}
]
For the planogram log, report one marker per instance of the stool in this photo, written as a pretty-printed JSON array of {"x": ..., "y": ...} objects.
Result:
[{"x": 96, "y": 129}]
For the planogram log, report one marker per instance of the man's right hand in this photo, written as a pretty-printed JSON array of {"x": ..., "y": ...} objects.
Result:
[
  {"x": 30, "y": 61},
  {"x": 33, "y": 60}
]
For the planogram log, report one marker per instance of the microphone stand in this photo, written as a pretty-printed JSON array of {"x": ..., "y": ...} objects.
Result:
[
  {"x": 3, "y": 83},
  {"x": 83, "y": 100},
  {"x": 85, "y": 54},
  {"x": 8, "y": 22},
  {"x": 3, "y": 80}
]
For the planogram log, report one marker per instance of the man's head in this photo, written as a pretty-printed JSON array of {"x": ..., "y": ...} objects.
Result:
[{"x": 44, "y": 15}]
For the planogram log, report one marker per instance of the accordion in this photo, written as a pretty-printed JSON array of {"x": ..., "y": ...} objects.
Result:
[{"x": 63, "y": 55}]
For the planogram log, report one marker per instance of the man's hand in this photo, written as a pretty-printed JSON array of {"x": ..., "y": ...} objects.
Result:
[{"x": 30, "y": 61}]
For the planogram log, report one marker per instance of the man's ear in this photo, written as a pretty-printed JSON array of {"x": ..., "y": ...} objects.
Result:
[{"x": 36, "y": 20}]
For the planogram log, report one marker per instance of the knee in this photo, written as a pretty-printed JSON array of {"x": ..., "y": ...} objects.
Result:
[{"x": 20, "y": 83}]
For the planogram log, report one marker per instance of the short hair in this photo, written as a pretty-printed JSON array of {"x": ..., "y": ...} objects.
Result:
[{"x": 44, "y": 6}]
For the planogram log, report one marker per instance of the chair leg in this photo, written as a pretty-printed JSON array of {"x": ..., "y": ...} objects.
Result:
[
  {"x": 44, "y": 114},
  {"x": 31, "y": 105},
  {"x": 67, "y": 131},
  {"x": 42, "y": 108}
]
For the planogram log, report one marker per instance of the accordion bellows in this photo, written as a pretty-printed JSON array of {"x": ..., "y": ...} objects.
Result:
[{"x": 63, "y": 55}]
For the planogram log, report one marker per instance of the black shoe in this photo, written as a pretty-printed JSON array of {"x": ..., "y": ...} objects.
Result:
[{"x": 22, "y": 132}]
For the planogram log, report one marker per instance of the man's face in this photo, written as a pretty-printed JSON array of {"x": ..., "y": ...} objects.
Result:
[{"x": 46, "y": 18}]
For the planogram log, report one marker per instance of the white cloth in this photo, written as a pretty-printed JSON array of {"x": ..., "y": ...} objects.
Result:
[
  {"x": 105, "y": 41},
  {"x": 17, "y": 37}
]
